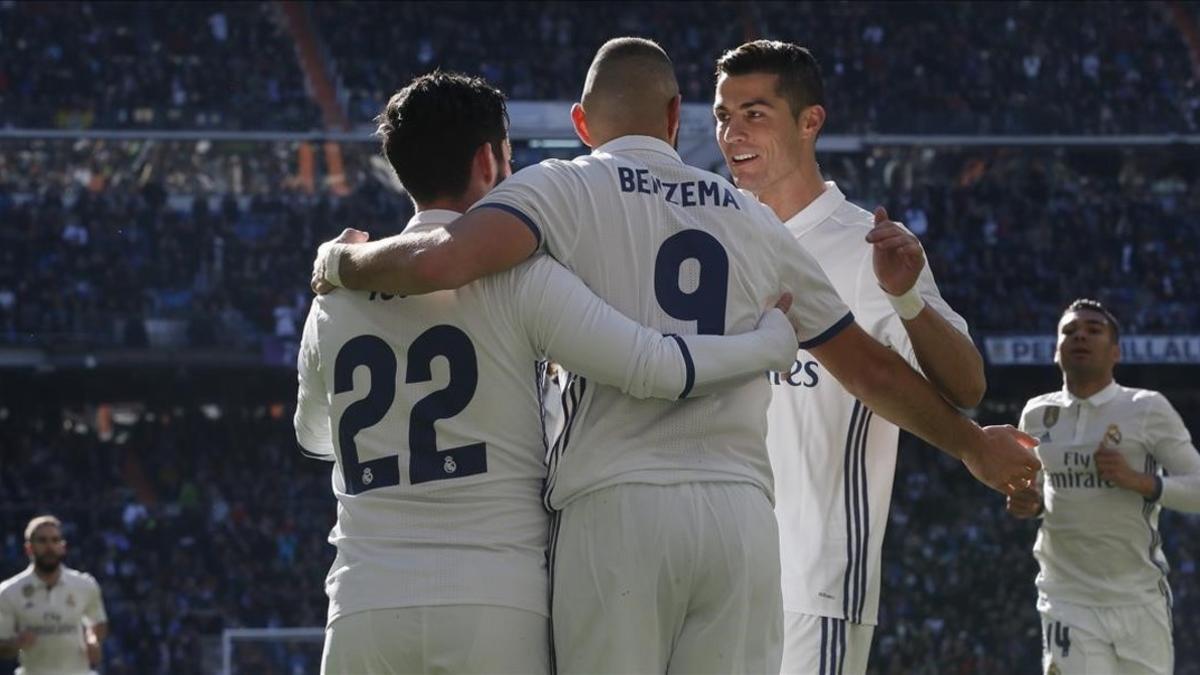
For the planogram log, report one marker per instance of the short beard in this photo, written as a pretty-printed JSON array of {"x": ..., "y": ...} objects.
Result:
[{"x": 46, "y": 566}]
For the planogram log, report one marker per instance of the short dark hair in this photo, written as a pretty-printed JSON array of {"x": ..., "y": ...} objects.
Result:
[
  {"x": 431, "y": 129},
  {"x": 799, "y": 73},
  {"x": 1096, "y": 306}
]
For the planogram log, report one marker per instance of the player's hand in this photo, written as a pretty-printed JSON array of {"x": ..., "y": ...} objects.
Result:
[
  {"x": 91, "y": 646},
  {"x": 1024, "y": 503},
  {"x": 1112, "y": 466},
  {"x": 318, "y": 283},
  {"x": 898, "y": 255},
  {"x": 1005, "y": 461},
  {"x": 25, "y": 639},
  {"x": 779, "y": 335}
]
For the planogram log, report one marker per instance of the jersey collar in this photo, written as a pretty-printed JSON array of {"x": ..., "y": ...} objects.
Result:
[
  {"x": 431, "y": 218},
  {"x": 634, "y": 142},
  {"x": 1095, "y": 400},
  {"x": 818, "y": 211}
]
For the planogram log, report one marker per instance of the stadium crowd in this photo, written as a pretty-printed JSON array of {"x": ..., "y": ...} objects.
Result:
[
  {"x": 186, "y": 542},
  {"x": 890, "y": 68},
  {"x": 198, "y": 227},
  {"x": 211, "y": 65}
]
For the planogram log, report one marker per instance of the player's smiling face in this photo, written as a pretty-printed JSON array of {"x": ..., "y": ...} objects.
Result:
[
  {"x": 756, "y": 131},
  {"x": 1085, "y": 343}
]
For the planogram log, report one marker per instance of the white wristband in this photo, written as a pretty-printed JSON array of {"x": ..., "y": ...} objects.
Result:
[
  {"x": 909, "y": 305},
  {"x": 333, "y": 260}
]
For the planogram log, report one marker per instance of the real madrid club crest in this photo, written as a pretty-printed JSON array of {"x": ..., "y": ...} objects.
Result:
[
  {"x": 70, "y": 599},
  {"x": 1113, "y": 435},
  {"x": 1050, "y": 416},
  {"x": 1053, "y": 669}
]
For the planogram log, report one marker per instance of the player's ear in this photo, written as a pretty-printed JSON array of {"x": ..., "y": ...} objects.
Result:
[
  {"x": 484, "y": 164},
  {"x": 579, "y": 121},
  {"x": 811, "y": 121},
  {"x": 673, "y": 115}
]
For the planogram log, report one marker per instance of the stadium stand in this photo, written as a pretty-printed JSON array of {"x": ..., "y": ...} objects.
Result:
[
  {"x": 181, "y": 486},
  {"x": 889, "y": 67},
  {"x": 211, "y": 65},
  {"x": 214, "y": 217}
]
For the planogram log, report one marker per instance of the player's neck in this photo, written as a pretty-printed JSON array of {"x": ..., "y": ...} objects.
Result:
[
  {"x": 445, "y": 204},
  {"x": 1083, "y": 386},
  {"x": 794, "y": 192},
  {"x": 49, "y": 578}
]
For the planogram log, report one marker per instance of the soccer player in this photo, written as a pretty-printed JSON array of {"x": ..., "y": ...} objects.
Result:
[
  {"x": 834, "y": 463},
  {"x": 1102, "y": 586},
  {"x": 51, "y": 616},
  {"x": 430, "y": 408},
  {"x": 666, "y": 553}
]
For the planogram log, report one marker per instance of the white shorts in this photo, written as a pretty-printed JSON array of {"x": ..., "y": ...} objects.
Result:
[
  {"x": 467, "y": 639},
  {"x": 667, "y": 579},
  {"x": 1134, "y": 640},
  {"x": 820, "y": 645}
]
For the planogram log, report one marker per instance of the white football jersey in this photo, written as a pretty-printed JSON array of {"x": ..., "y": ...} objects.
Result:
[
  {"x": 679, "y": 249},
  {"x": 56, "y": 615},
  {"x": 834, "y": 461},
  {"x": 1099, "y": 544},
  {"x": 430, "y": 405}
]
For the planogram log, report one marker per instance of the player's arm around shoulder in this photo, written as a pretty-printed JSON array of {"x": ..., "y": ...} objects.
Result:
[{"x": 937, "y": 335}]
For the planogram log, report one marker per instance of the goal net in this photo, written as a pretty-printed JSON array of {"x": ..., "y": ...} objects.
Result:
[{"x": 278, "y": 651}]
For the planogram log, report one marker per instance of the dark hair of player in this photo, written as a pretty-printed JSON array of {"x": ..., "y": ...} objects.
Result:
[
  {"x": 799, "y": 73},
  {"x": 431, "y": 129},
  {"x": 1096, "y": 306}
]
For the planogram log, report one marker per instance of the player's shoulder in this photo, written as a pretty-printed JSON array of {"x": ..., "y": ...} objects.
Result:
[
  {"x": 1050, "y": 399},
  {"x": 79, "y": 578},
  {"x": 11, "y": 584},
  {"x": 1144, "y": 398}
]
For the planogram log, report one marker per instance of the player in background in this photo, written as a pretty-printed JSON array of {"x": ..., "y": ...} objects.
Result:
[
  {"x": 51, "y": 616},
  {"x": 834, "y": 463},
  {"x": 1102, "y": 585},
  {"x": 667, "y": 551},
  {"x": 429, "y": 406}
]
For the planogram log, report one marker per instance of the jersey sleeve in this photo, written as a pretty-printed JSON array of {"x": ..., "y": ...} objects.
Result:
[
  {"x": 8, "y": 619},
  {"x": 543, "y": 196},
  {"x": 575, "y": 327},
  {"x": 817, "y": 312},
  {"x": 93, "y": 611},
  {"x": 1171, "y": 445},
  {"x": 313, "y": 430},
  {"x": 875, "y": 312}
]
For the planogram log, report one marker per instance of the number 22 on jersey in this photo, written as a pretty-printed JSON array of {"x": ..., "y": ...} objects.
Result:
[{"x": 425, "y": 462}]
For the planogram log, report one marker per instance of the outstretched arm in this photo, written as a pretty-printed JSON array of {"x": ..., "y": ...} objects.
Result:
[
  {"x": 576, "y": 328},
  {"x": 999, "y": 457}
]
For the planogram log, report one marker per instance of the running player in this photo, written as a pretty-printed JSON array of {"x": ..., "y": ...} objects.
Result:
[
  {"x": 834, "y": 463},
  {"x": 441, "y": 531},
  {"x": 1102, "y": 585},
  {"x": 667, "y": 550},
  {"x": 51, "y": 616}
]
